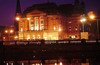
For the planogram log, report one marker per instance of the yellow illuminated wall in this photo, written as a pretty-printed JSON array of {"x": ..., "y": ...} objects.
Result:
[{"x": 40, "y": 25}]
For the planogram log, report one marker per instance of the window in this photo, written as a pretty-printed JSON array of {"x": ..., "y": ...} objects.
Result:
[
  {"x": 73, "y": 37},
  {"x": 54, "y": 28},
  {"x": 75, "y": 28},
  {"x": 70, "y": 28},
  {"x": 28, "y": 37},
  {"x": 38, "y": 37},
  {"x": 32, "y": 28},
  {"x": 21, "y": 29},
  {"x": 42, "y": 25},
  {"x": 55, "y": 38},
  {"x": 70, "y": 22},
  {"x": 33, "y": 36},
  {"x": 36, "y": 23},
  {"x": 32, "y": 25}
]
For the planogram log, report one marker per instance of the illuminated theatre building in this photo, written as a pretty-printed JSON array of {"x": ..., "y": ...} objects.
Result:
[
  {"x": 40, "y": 25},
  {"x": 48, "y": 21}
]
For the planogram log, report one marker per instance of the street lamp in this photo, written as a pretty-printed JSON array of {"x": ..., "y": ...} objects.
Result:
[
  {"x": 93, "y": 18},
  {"x": 17, "y": 18},
  {"x": 9, "y": 32},
  {"x": 16, "y": 37},
  {"x": 83, "y": 20}
]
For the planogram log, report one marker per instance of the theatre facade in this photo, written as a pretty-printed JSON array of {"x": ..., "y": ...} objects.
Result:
[{"x": 47, "y": 22}]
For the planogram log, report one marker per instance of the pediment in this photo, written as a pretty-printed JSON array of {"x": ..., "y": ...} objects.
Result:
[{"x": 36, "y": 12}]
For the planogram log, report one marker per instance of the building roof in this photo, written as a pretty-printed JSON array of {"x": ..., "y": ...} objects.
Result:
[
  {"x": 65, "y": 9},
  {"x": 45, "y": 7}
]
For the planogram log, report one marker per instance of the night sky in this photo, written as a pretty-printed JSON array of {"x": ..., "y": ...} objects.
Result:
[{"x": 8, "y": 8}]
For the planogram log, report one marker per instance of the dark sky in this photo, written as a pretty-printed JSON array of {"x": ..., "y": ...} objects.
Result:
[{"x": 8, "y": 7}]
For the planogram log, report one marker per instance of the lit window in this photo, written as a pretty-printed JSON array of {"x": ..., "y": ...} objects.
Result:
[
  {"x": 28, "y": 18},
  {"x": 54, "y": 28},
  {"x": 31, "y": 25},
  {"x": 21, "y": 29},
  {"x": 16, "y": 37},
  {"x": 45, "y": 38},
  {"x": 59, "y": 29},
  {"x": 36, "y": 23},
  {"x": 73, "y": 37},
  {"x": 28, "y": 37},
  {"x": 33, "y": 37},
  {"x": 70, "y": 22},
  {"x": 31, "y": 28},
  {"x": 42, "y": 24},
  {"x": 54, "y": 38},
  {"x": 75, "y": 28},
  {"x": 6, "y": 31},
  {"x": 38, "y": 37}
]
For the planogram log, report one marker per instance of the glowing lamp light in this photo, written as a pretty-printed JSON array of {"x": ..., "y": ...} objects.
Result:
[
  {"x": 92, "y": 17},
  {"x": 54, "y": 38},
  {"x": 54, "y": 28},
  {"x": 73, "y": 37},
  {"x": 28, "y": 18},
  {"x": 83, "y": 20},
  {"x": 11, "y": 31},
  {"x": 16, "y": 37},
  {"x": 6, "y": 31},
  {"x": 17, "y": 18},
  {"x": 28, "y": 38},
  {"x": 59, "y": 29},
  {"x": 31, "y": 28}
]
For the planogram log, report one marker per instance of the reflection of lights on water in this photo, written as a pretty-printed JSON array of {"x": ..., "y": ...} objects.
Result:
[
  {"x": 11, "y": 63},
  {"x": 55, "y": 63},
  {"x": 60, "y": 63},
  {"x": 41, "y": 63},
  {"x": 7, "y": 63},
  {"x": 22, "y": 63},
  {"x": 37, "y": 64}
]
